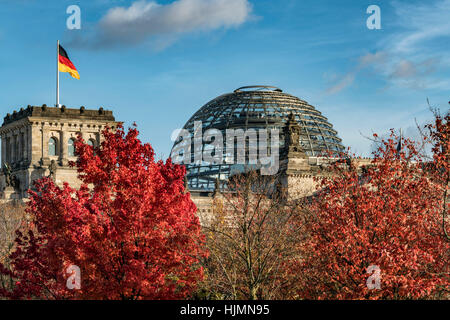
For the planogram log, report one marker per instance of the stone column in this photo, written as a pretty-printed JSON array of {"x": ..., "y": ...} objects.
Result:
[
  {"x": 63, "y": 152},
  {"x": 19, "y": 147},
  {"x": 35, "y": 148},
  {"x": 25, "y": 143},
  {"x": 8, "y": 148},
  {"x": 27, "y": 183},
  {"x": 45, "y": 137},
  {"x": 14, "y": 148},
  {"x": 100, "y": 136},
  {"x": 3, "y": 150}
]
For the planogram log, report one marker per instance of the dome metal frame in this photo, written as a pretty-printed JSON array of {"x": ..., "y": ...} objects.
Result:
[{"x": 255, "y": 107}]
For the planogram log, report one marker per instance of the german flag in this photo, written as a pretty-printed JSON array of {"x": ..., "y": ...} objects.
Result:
[{"x": 65, "y": 65}]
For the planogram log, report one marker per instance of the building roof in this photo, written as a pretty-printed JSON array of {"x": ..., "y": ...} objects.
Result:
[
  {"x": 59, "y": 113},
  {"x": 258, "y": 107}
]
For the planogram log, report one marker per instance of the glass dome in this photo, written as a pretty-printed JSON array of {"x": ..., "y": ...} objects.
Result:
[{"x": 253, "y": 107}]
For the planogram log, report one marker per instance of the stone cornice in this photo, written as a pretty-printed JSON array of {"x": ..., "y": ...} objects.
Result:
[
  {"x": 87, "y": 123},
  {"x": 59, "y": 114},
  {"x": 22, "y": 123}
]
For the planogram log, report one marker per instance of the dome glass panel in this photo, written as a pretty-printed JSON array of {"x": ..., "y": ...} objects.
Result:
[{"x": 256, "y": 107}]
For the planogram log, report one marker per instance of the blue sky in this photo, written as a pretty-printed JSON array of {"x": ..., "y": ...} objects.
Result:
[{"x": 156, "y": 62}]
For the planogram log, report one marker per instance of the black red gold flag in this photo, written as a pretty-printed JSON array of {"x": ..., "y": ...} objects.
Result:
[{"x": 65, "y": 65}]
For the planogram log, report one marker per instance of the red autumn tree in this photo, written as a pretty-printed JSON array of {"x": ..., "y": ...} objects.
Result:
[
  {"x": 389, "y": 217},
  {"x": 439, "y": 136},
  {"x": 130, "y": 228}
]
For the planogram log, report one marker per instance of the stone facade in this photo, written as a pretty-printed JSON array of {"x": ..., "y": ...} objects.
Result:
[
  {"x": 38, "y": 142},
  {"x": 296, "y": 175}
]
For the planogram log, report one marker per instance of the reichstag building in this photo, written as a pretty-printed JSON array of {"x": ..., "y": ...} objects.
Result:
[{"x": 37, "y": 141}]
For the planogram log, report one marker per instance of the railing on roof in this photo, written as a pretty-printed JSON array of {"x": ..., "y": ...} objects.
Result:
[{"x": 258, "y": 88}]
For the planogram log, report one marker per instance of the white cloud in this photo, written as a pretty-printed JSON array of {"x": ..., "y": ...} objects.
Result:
[
  {"x": 370, "y": 59},
  {"x": 343, "y": 83},
  {"x": 413, "y": 52},
  {"x": 148, "y": 19},
  {"x": 420, "y": 24},
  {"x": 404, "y": 69},
  {"x": 409, "y": 69}
]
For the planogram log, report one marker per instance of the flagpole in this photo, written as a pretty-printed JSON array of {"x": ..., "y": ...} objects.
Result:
[{"x": 57, "y": 74}]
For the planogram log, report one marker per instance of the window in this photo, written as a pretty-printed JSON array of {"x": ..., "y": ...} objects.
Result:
[
  {"x": 91, "y": 143},
  {"x": 71, "y": 147},
  {"x": 52, "y": 143}
]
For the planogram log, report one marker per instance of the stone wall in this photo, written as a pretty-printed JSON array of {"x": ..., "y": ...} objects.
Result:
[{"x": 27, "y": 135}]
